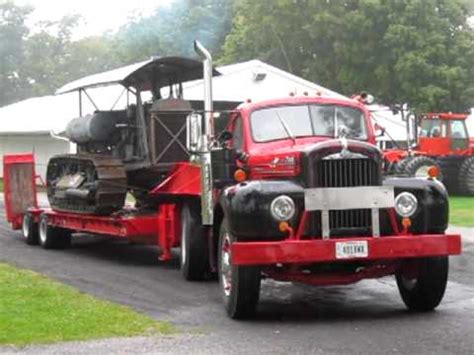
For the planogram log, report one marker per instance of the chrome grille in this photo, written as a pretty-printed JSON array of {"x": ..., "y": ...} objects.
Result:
[{"x": 348, "y": 173}]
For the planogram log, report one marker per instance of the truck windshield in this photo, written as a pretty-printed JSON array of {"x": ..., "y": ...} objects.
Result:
[{"x": 268, "y": 124}]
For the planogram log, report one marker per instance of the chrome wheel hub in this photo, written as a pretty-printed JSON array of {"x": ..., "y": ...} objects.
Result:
[
  {"x": 25, "y": 225},
  {"x": 226, "y": 266},
  {"x": 422, "y": 171},
  {"x": 43, "y": 229}
]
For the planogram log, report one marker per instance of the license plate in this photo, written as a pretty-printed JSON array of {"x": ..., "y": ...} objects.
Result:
[{"x": 355, "y": 249}]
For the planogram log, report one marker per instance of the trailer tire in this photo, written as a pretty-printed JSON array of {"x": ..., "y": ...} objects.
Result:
[
  {"x": 240, "y": 285},
  {"x": 30, "y": 229},
  {"x": 418, "y": 167},
  {"x": 194, "y": 245},
  {"x": 51, "y": 237},
  {"x": 466, "y": 177},
  {"x": 424, "y": 292}
]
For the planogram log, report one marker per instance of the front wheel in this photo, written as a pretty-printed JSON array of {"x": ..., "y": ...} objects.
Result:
[
  {"x": 240, "y": 285},
  {"x": 422, "y": 282}
]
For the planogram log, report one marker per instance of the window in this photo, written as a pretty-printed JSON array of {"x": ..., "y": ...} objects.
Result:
[
  {"x": 307, "y": 120},
  {"x": 238, "y": 135}
]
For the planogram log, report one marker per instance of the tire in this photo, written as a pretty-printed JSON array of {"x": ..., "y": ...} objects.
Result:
[
  {"x": 418, "y": 167},
  {"x": 466, "y": 177},
  {"x": 240, "y": 285},
  {"x": 424, "y": 292},
  {"x": 29, "y": 229},
  {"x": 400, "y": 166},
  {"x": 51, "y": 237},
  {"x": 194, "y": 245}
]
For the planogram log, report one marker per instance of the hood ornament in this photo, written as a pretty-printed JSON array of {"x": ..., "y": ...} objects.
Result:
[{"x": 342, "y": 133}]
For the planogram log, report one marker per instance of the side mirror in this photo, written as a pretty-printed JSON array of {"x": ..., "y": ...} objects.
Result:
[
  {"x": 224, "y": 137},
  {"x": 193, "y": 132},
  {"x": 379, "y": 130}
]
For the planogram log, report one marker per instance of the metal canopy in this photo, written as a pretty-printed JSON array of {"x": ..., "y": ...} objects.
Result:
[{"x": 157, "y": 71}]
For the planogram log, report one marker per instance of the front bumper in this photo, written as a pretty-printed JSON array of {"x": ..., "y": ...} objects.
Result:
[{"x": 320, "y": 251}]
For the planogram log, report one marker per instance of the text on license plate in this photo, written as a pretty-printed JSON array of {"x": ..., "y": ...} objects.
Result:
[{"x": 354, "y": 249}]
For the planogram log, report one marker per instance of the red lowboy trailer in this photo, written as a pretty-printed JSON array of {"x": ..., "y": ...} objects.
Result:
[{"x": 292, "y": 190}]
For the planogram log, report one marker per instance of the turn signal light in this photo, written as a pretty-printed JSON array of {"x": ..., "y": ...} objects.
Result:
[
  {"x": 240, "y": 175},
  {"x": 284, "y": 226},
  {"x": 433, "y": 172}
]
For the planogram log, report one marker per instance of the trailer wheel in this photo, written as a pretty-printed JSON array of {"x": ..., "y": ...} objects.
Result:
[
  {"x": 466, "y": 177},
  {"x": 51, "y": 237},
  {"x": 240, "y": 285},
  {"x": 425, "y": 291},
  {"x": 418, "y": 167},
  {"x": 194, "y": 245},
  {"x": 30, "y": 229}
]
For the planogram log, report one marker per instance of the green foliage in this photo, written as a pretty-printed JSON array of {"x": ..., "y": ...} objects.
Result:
[
  {"x": 415, "y": 51},
  {"x": 461, "y": 211},
  {"x": 35, "y": 309},
  {"x": 13, "y": 32}
]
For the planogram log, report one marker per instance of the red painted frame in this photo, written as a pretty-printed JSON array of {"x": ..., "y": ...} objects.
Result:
[{"x": 15, "y": 218}]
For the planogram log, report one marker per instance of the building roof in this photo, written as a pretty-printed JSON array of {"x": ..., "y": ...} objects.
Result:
[
  {"x": 46, "y": 114},
  {"x": 254, "y": 80},
  {"x": 157, "y": 71}
]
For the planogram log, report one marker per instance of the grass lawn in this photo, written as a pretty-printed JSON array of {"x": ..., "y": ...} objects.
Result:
[
  {"x": 35, "y": 309},
  {"x": 1, "y": 185},
  {"x": 461, "y": 211}
]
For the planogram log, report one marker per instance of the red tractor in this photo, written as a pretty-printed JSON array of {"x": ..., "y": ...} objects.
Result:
[
  {"x": 292, "y": 189},
  {"x": 443, "y": 141}
]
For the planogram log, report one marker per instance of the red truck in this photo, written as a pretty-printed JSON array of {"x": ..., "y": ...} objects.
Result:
[{"x": 292, "y": 189}]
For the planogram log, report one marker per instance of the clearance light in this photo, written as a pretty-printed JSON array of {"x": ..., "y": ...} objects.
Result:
[
  {"x": 240, "y": 175},
  {"x": 433, "y": 172}
]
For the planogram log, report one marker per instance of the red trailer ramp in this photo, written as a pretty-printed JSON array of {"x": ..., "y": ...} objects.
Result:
[{"x": 19, "y": 186}]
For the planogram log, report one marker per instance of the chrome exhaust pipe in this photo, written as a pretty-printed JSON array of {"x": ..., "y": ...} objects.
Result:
[
  {"x": 207, "y": 200},
  {"x": 208, "y": 106}
]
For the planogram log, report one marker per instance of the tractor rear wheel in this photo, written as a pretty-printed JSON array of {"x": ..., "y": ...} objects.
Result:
[
  {"x": 418, "y": 167},
  {"x": 466, "y": 177},
  {"x": 400, "y": 166}
]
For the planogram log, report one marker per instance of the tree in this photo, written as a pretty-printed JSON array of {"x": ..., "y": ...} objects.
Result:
[
  {"x": 172, "y": 30},
  {"x": 415, "y": 51},
  {"x": 13, "y": 32}
]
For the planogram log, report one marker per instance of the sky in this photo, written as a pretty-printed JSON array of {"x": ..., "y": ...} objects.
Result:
[{"x": 99, "y": 15}]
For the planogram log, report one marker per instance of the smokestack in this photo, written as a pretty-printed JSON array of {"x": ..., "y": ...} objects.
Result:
[{"x": 208, "y": 108}]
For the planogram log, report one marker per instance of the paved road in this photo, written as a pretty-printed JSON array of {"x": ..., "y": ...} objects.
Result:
[{"x": 365, "y": 318}]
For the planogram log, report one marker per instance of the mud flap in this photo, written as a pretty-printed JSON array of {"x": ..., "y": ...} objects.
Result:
[{"x": 19, "y": 186}]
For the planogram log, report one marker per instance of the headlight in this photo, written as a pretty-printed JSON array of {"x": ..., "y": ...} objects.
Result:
[
  {"x": 282, "y": 208},
  {"x": 406, "y": 204}
]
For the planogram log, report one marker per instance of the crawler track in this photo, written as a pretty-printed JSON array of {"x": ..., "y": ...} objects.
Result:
[{"x": 86, "y": 183}]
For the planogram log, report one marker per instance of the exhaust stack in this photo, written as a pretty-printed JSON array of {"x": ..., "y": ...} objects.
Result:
[{"x": 207, "y": 201}]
